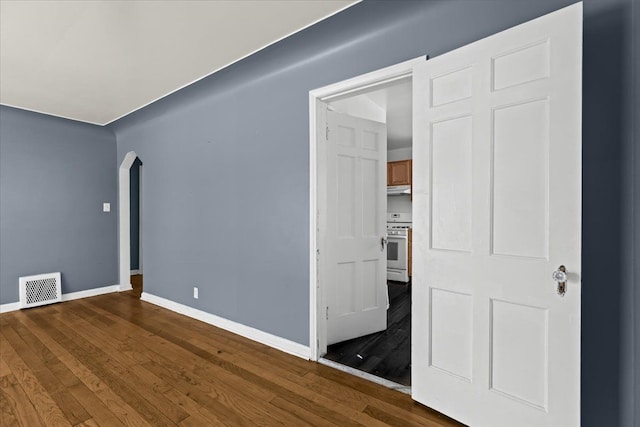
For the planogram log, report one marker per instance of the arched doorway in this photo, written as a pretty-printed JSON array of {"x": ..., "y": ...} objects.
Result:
[{"x": 124, "y": 221}]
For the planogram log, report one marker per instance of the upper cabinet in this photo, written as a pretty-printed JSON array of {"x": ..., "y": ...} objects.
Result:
[{"x": 399, "y": 173}]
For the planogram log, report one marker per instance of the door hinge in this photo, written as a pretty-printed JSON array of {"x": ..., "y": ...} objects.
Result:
[
  {"x": 327, "y": 313},
  {"x": 327, "y": 133}
]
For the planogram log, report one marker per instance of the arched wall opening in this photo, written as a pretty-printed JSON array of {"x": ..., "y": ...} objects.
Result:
[{"x": 124, "y": 221}]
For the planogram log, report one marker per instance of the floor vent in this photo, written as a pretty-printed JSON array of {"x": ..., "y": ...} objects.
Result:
[{"x": 40, "y": 290}]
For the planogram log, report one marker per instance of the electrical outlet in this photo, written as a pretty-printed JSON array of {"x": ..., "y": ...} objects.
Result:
[
  {"x": 106, "y": 207},
  {"x": 195, "y": 292}
]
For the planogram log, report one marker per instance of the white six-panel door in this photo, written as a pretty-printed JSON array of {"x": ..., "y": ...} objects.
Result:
[
  {"x": 356, "y": 285},
  {"x": 496, "y": 210}
]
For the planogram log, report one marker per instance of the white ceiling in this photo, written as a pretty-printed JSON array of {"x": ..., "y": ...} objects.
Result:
[{"x": 96, "y": 61}]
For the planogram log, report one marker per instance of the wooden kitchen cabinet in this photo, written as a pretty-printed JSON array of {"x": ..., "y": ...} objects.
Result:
[{"x": 399, "y": 173}]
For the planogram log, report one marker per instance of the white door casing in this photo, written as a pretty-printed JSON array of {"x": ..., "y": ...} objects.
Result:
[
  {"x": 356, "y": 224},
  {"x": 496, "y": 210},
  {"x": 318, "y": 99}
]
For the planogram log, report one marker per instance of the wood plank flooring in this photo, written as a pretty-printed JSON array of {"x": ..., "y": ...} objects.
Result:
[
  {"x": 386, "y": 354},
  {"x": 136, "y": 284},
  {"x": 115, "y": 360}
]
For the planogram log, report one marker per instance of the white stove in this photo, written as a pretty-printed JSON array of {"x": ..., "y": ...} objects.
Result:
[{"x": 398, "y": 224}]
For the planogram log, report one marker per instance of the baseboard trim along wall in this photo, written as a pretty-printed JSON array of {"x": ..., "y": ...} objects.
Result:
[
  {"x": 13, "y": 306},
  {"x": 274, "y": 341},
  {"x": 90, "y": 292}
]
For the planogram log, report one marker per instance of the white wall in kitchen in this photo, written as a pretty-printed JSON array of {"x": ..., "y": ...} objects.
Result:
[
  {"x": 399, "y": 203},
  {"x": 399, "y": 154},
  {"x": 360, "y": 106}
]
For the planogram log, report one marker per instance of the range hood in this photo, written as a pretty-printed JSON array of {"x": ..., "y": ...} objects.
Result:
[{"x": 398, "y": 190}]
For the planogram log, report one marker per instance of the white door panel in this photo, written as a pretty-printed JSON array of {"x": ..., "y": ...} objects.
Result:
[
  {"x": 496, "y": 209},
  {"x": 356, "y": 222}
]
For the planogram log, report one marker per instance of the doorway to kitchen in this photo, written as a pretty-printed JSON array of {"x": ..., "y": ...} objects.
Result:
[{"x": 377, "y": 344}]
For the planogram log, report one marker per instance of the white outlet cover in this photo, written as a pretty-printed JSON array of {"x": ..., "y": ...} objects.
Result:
[
  {"x": 195, "y": 293},
  {"x": 106, "y": 207}
]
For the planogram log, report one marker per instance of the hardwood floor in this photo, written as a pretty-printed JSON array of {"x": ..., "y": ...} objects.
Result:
[
  {"x": 136, "y": 284},
  {"x": 386, "y": 354},
  {"x": 115, "y": 360}
]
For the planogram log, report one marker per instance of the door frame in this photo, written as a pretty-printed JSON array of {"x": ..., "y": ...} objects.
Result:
[
  {"x": 317, "y": 170},
  {"x": 124, "y": 221}
]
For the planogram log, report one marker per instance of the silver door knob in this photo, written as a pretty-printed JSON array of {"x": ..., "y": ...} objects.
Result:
[{"x": 560, "y": 276}]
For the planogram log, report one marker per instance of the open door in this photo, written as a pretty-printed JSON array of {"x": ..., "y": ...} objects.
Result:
[
  {"x": 356, "y": 253},
  {"x": 496, "y": 214}
]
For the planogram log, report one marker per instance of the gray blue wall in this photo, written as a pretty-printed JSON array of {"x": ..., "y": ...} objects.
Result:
[
  {"x": 226, "y": 163},
  {"x": 608, "y": 255},
  {"x": 54, "y": 176},
  {"x": 226, "y": 159},
  {"x": 629, "y": 224}
]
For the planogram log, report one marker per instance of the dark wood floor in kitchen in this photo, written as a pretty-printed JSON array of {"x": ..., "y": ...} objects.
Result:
[{"x": 386, "y": 354}]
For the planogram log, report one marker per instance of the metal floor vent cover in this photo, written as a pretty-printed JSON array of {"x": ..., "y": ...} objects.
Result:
[{"x": 40, "y": 290}]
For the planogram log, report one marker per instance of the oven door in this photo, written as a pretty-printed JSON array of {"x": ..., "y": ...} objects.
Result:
[{"x": 397, "y": 248}]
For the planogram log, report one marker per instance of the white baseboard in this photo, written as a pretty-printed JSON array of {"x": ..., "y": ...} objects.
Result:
[
  {"x": 90, "y": 293},
  {"x": 134, "y": 272},
  {"x": 266, "y": 338},
  {"x": 4, "y": 308},
  {"x": 12, "y": 306},
  {"x": 124, "y": 287}
]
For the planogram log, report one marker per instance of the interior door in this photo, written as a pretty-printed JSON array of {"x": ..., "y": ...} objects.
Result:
[
  {"x": 356, "y": 283},
  {"x": 496, "y": 211}
]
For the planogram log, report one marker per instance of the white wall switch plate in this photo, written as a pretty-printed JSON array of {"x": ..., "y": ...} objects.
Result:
[
  {"x": 195, "y": 292},
  {"x": 106, "y": 207}
]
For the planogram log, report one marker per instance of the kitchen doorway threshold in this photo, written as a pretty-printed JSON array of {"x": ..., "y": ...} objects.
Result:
[{"x": 365, "y": 375}]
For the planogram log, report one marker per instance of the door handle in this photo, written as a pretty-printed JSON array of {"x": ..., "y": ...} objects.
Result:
[
  {"x": 383, "y": 242},
  {"x": 560, "y": 276}
]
